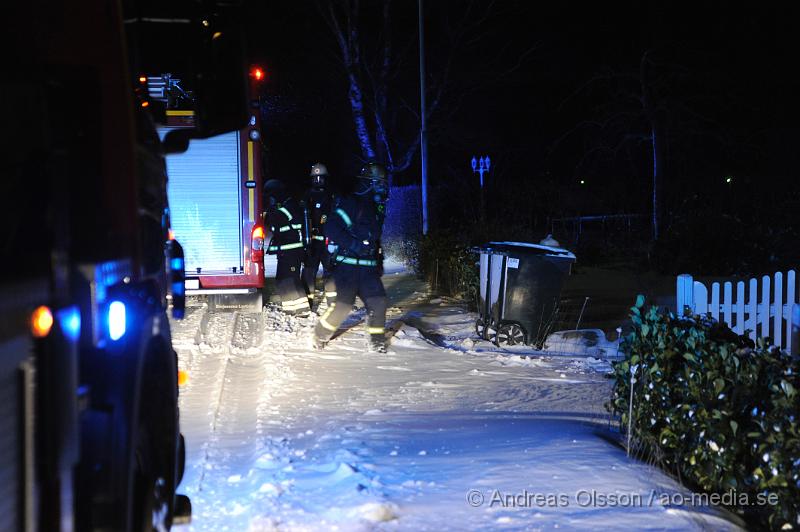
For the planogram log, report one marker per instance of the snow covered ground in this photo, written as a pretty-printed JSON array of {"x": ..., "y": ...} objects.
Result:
[{"x": 444, "y": 432}]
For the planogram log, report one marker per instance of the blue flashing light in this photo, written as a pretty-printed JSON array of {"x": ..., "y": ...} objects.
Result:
[
  {"x": 177, "y": 289},
  {"x": 176, "y": 264},
  {"x": 116, "y": 320},
  {"x": 70, "y": 321}
]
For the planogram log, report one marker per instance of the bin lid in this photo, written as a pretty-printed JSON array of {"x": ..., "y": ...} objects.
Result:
[{"x": 533, "y": 248}]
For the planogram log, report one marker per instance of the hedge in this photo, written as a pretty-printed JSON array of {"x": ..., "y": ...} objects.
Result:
[
  {"x": 449, "y": 264},
  {"x": 714, "y": 409}
]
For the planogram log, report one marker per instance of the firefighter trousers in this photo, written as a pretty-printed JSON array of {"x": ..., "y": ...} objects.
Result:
[
  {"x": 316, "y": 254},
  {"x": 351, "y": 281},
  {"x": 288, "y": 283}
]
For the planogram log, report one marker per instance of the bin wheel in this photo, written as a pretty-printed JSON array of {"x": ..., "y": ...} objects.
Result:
[
  {"x": 510, "y": 334},
  {"x": 480, "y": 327},
  {"x": 491, "y": 331},
  {"x": 484, "y": 331}
]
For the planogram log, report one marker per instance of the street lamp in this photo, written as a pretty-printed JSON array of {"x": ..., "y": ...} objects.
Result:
[{"x": 479, "y": 166}]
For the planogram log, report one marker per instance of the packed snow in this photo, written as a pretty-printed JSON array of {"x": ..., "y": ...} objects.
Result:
[{"x": 443, "y": 432}]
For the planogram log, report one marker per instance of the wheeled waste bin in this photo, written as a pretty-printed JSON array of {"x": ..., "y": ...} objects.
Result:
[{"x": 520, "y": 288}]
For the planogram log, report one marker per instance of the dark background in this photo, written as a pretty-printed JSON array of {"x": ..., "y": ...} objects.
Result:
[{"x": 552, "y": 92}]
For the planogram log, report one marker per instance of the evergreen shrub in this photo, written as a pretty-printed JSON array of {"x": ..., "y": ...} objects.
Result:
[
  {"x": 714, "y": 409},
  {"x": 449, "y": 265}
]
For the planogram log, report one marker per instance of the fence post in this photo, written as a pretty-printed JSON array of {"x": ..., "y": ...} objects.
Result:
[
  {"x": 795, "y": 347},
  {"x": 685, "y": 293}
]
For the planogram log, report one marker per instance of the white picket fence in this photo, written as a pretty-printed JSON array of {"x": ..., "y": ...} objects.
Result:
[{"x": 765, "y": 307}]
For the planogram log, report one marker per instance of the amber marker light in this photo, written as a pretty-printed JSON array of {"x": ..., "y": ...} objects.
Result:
[{"x": 41, "y": 322}]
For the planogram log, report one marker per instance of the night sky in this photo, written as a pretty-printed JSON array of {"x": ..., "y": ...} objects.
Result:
[{"x": 552, "y": 92}]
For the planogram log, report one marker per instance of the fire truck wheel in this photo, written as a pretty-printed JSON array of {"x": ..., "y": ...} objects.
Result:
[
  {"x": 156, "y": 445},
  {"x": 181, "y": 459},
  {"x": 150, "y": 508}
]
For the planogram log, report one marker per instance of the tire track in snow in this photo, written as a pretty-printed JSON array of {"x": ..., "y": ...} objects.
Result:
[
  {"x": 233, "y": 428},
  {"x": 200, "y": 399}
]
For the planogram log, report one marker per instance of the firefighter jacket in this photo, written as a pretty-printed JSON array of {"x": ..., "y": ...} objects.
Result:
[
  {"x": 318, "y": 204},
  {"x": 355, "y": 226},
  {"x": 286, "y": 223}
]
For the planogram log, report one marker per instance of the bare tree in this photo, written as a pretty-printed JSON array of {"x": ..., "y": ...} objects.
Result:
[{"x": 376, "y": 111}]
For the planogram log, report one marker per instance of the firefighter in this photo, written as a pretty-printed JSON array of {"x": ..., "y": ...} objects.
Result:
[
  {"x": 318, "y": 206},
  {"x": 285, "y": 219},
  {"x": 355, "y": 226}
]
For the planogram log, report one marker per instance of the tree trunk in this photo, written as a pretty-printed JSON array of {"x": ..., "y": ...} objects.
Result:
[{"x": 357, "y": 107}]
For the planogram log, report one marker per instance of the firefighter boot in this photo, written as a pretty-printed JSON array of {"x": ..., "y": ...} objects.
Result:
[
  {"x": 376, "y": 343},
  {"x": 318, "y": 343}
]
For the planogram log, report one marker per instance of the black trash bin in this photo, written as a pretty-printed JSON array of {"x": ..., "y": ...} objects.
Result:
[{"x": 520, "y": 288}]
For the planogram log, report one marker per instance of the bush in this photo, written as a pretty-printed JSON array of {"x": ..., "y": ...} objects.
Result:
[
  {"x": 401, "y": 228},
  {"x": 403, "y": 250},
  {"x": 449, "y": 265},
  {"x": 714, "y": 409}
]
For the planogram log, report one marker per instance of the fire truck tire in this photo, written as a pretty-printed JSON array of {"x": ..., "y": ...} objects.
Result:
[
  {"x": 149, "y": 509},
  {"x": 157, "y": 453},
  {"x": 181, "y": 459}
]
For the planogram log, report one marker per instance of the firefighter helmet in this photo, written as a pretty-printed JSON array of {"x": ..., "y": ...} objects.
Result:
[
  {"x": 319, "y": 173},
  {"x": 373, "y": 178},
  {"x": 275, "y": 190},
  {"x": 373, "y": 171}
]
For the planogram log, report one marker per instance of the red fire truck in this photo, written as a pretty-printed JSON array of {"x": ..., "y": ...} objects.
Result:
[
  {"x": 215, "y": 198},
  {"x": 89, "y": 420}
]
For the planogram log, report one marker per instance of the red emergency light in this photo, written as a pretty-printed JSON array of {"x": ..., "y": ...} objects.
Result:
[
  {"x": 257, "y": 73},
  {"x": 257, "y": 245}
]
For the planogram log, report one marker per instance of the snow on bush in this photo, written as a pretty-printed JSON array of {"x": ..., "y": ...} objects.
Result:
[
  {"x": 714, "y": 409},
  {"x": 401, "y": 228}
]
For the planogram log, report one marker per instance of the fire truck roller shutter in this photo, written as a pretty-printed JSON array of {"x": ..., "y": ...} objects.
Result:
[{"x": 205, "y": 203}]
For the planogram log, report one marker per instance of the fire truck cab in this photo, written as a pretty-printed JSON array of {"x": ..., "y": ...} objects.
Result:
[{"x": 89, "y": 421}]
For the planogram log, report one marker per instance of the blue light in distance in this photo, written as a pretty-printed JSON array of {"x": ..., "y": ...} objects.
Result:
[
  {"x": 116, "y": 320},
  {"x": 176, "y": 264},
  {"x": 70, "y": 321}
]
